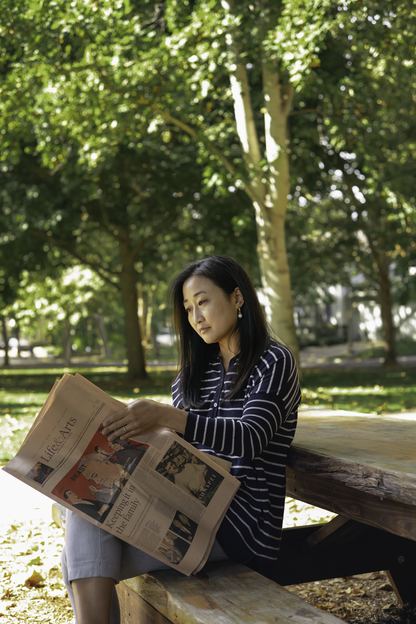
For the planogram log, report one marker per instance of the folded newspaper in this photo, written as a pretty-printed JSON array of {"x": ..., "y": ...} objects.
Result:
[{"x": 156, "y": 491}]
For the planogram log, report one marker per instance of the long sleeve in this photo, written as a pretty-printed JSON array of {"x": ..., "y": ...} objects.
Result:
[{"x": 272, "y": 394}]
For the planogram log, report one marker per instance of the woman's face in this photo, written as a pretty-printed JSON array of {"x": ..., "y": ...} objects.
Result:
[
  {"x": 212, "y": 313},
  {"x": 171, "y": 468}
]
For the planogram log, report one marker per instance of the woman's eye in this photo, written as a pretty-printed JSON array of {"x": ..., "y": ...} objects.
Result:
[{"x": 202, "y": 301}]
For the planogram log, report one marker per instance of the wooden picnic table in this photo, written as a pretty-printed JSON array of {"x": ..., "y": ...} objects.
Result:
[{"x": 362, "y": 467}]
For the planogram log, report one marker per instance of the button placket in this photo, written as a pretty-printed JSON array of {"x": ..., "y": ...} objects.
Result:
[{"x": 217, "y": 398}]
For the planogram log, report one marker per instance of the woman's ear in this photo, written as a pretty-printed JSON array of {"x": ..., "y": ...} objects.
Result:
[{"x": 238, "y": 297}]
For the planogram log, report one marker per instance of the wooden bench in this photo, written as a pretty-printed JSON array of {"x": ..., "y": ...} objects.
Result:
[{"x": 224, "y": 593}]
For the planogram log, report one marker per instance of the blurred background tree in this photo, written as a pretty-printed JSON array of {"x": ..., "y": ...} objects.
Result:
[{"x": 138, "y": 135}]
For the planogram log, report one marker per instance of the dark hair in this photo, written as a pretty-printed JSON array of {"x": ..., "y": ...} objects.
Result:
[{"x": 195, "y": 354}]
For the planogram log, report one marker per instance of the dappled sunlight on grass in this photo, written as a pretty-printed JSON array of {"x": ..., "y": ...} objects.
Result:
[
  {"x": 369, "y": 399},
  {"x": 24, "y": 392},
  {"x": 372, "y": 390},
  {"x": 17, "y": 412},
  {"x": 358, "y": 390},
  {"x": 404, "y": 346}
]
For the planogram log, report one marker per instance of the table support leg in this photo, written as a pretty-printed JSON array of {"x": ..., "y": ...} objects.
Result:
[
  {"x": 345, "y": 547},
  {"x": 402, "y": 575}
]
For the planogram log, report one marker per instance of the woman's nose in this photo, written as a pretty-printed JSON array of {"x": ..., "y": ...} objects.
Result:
[{"x": 198, "y": 316}]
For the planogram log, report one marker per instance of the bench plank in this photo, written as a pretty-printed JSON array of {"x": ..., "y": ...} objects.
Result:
[
  {"x": 133, "y": 609},
  {"x": 224, "y": 593}
]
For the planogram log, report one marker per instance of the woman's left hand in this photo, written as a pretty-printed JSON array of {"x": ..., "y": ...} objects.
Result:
[{"x": 140, "y": 416}]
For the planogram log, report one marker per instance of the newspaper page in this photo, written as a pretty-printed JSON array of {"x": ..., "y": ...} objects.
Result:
[{"x": 156, "y": 492}]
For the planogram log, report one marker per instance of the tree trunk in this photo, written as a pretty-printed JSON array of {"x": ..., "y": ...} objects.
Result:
[
  {"x": 271, "y": 228},
  {"x": 149, "y": 322},
  {"x": 5, "y": 335},
  {"x": 102, "y": 332},
  {"x": 144, "y": 310},
  {"x": 348, "y": 317},
  {"x": 268, "y": 188},
  {"x": 128, "y": 286},
  {"x": 67, "y": 342},
  {"x": 147, "y": 316},
  {"x": 385, "y": 299},
  {"x": 386, "y": 307},
  {"x": 19, "y": 346},
  {"x": 276, "y": 280}
]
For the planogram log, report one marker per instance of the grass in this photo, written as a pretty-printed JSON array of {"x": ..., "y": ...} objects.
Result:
[
  {"x": 371, "y": 390},
  {"x": 377, "y": 390},
  {"x": 404, "y": 346},
  {"x": 23, "y": 392}
]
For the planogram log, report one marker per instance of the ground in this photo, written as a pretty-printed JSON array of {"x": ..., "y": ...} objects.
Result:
[
  {"x": 31, "y": 584},
  {"x": 363, "y": 599},
  {"x": 32, "y": 589}
]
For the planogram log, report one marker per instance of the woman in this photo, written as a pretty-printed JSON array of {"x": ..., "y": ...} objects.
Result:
[{"x": 236, "y": 397}]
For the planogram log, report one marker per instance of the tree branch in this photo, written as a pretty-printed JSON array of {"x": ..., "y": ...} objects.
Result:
[
  {"x": 104, "y": 274},
  {"x": 243, "y": 113},
  {"x": 95, "y": 206},
  {"x": 198, "y": 136},
  {"x": 68, "y": 249}
]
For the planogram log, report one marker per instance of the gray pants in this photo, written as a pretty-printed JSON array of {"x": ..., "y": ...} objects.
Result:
[{"x": 90, "y": 552}]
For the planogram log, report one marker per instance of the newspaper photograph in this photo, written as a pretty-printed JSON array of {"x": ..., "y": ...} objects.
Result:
[{"x": 156, "y": 492}]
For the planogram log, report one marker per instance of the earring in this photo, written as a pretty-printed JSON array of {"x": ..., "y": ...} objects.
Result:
[{"x": 239, "y": 313}]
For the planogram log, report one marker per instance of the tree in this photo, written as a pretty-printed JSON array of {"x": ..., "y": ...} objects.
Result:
[
  {"x": 82, "y": 48},
  {"x": 233, "y": 77},
  {"x": 368, "y": 144},
  {"x": 191, "y": 59},
  {"x": 17, "y": 249},
  {"x": 97, "y": 179},
  {"x": 267, "y": 50},
  {"x": 60, "y": 302}
]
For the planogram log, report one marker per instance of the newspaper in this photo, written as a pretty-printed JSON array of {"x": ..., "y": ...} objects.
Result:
[{"x": 156, "y": 491}]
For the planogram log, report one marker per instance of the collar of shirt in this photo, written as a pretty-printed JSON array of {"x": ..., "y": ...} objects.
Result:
[{"x": 232, "y": 365}]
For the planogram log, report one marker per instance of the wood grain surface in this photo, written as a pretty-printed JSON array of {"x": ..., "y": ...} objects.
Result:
[
  {"x": 385, "y": 442},
  {"x": 225, "y": 593},
  {"x": 361, "y": 466}
]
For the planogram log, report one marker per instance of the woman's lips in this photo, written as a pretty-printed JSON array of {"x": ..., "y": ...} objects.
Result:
[{"x": 203, "y": 329}]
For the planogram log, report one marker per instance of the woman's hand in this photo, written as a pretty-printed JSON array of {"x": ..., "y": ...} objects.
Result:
[{"x": 143, "y": 415}]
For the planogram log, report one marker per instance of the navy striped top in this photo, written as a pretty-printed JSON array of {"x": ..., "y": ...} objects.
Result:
[{"x": 254, "y": 431}]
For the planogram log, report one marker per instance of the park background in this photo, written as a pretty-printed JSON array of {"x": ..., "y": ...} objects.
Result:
[{"x": 137, "y": 136}]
